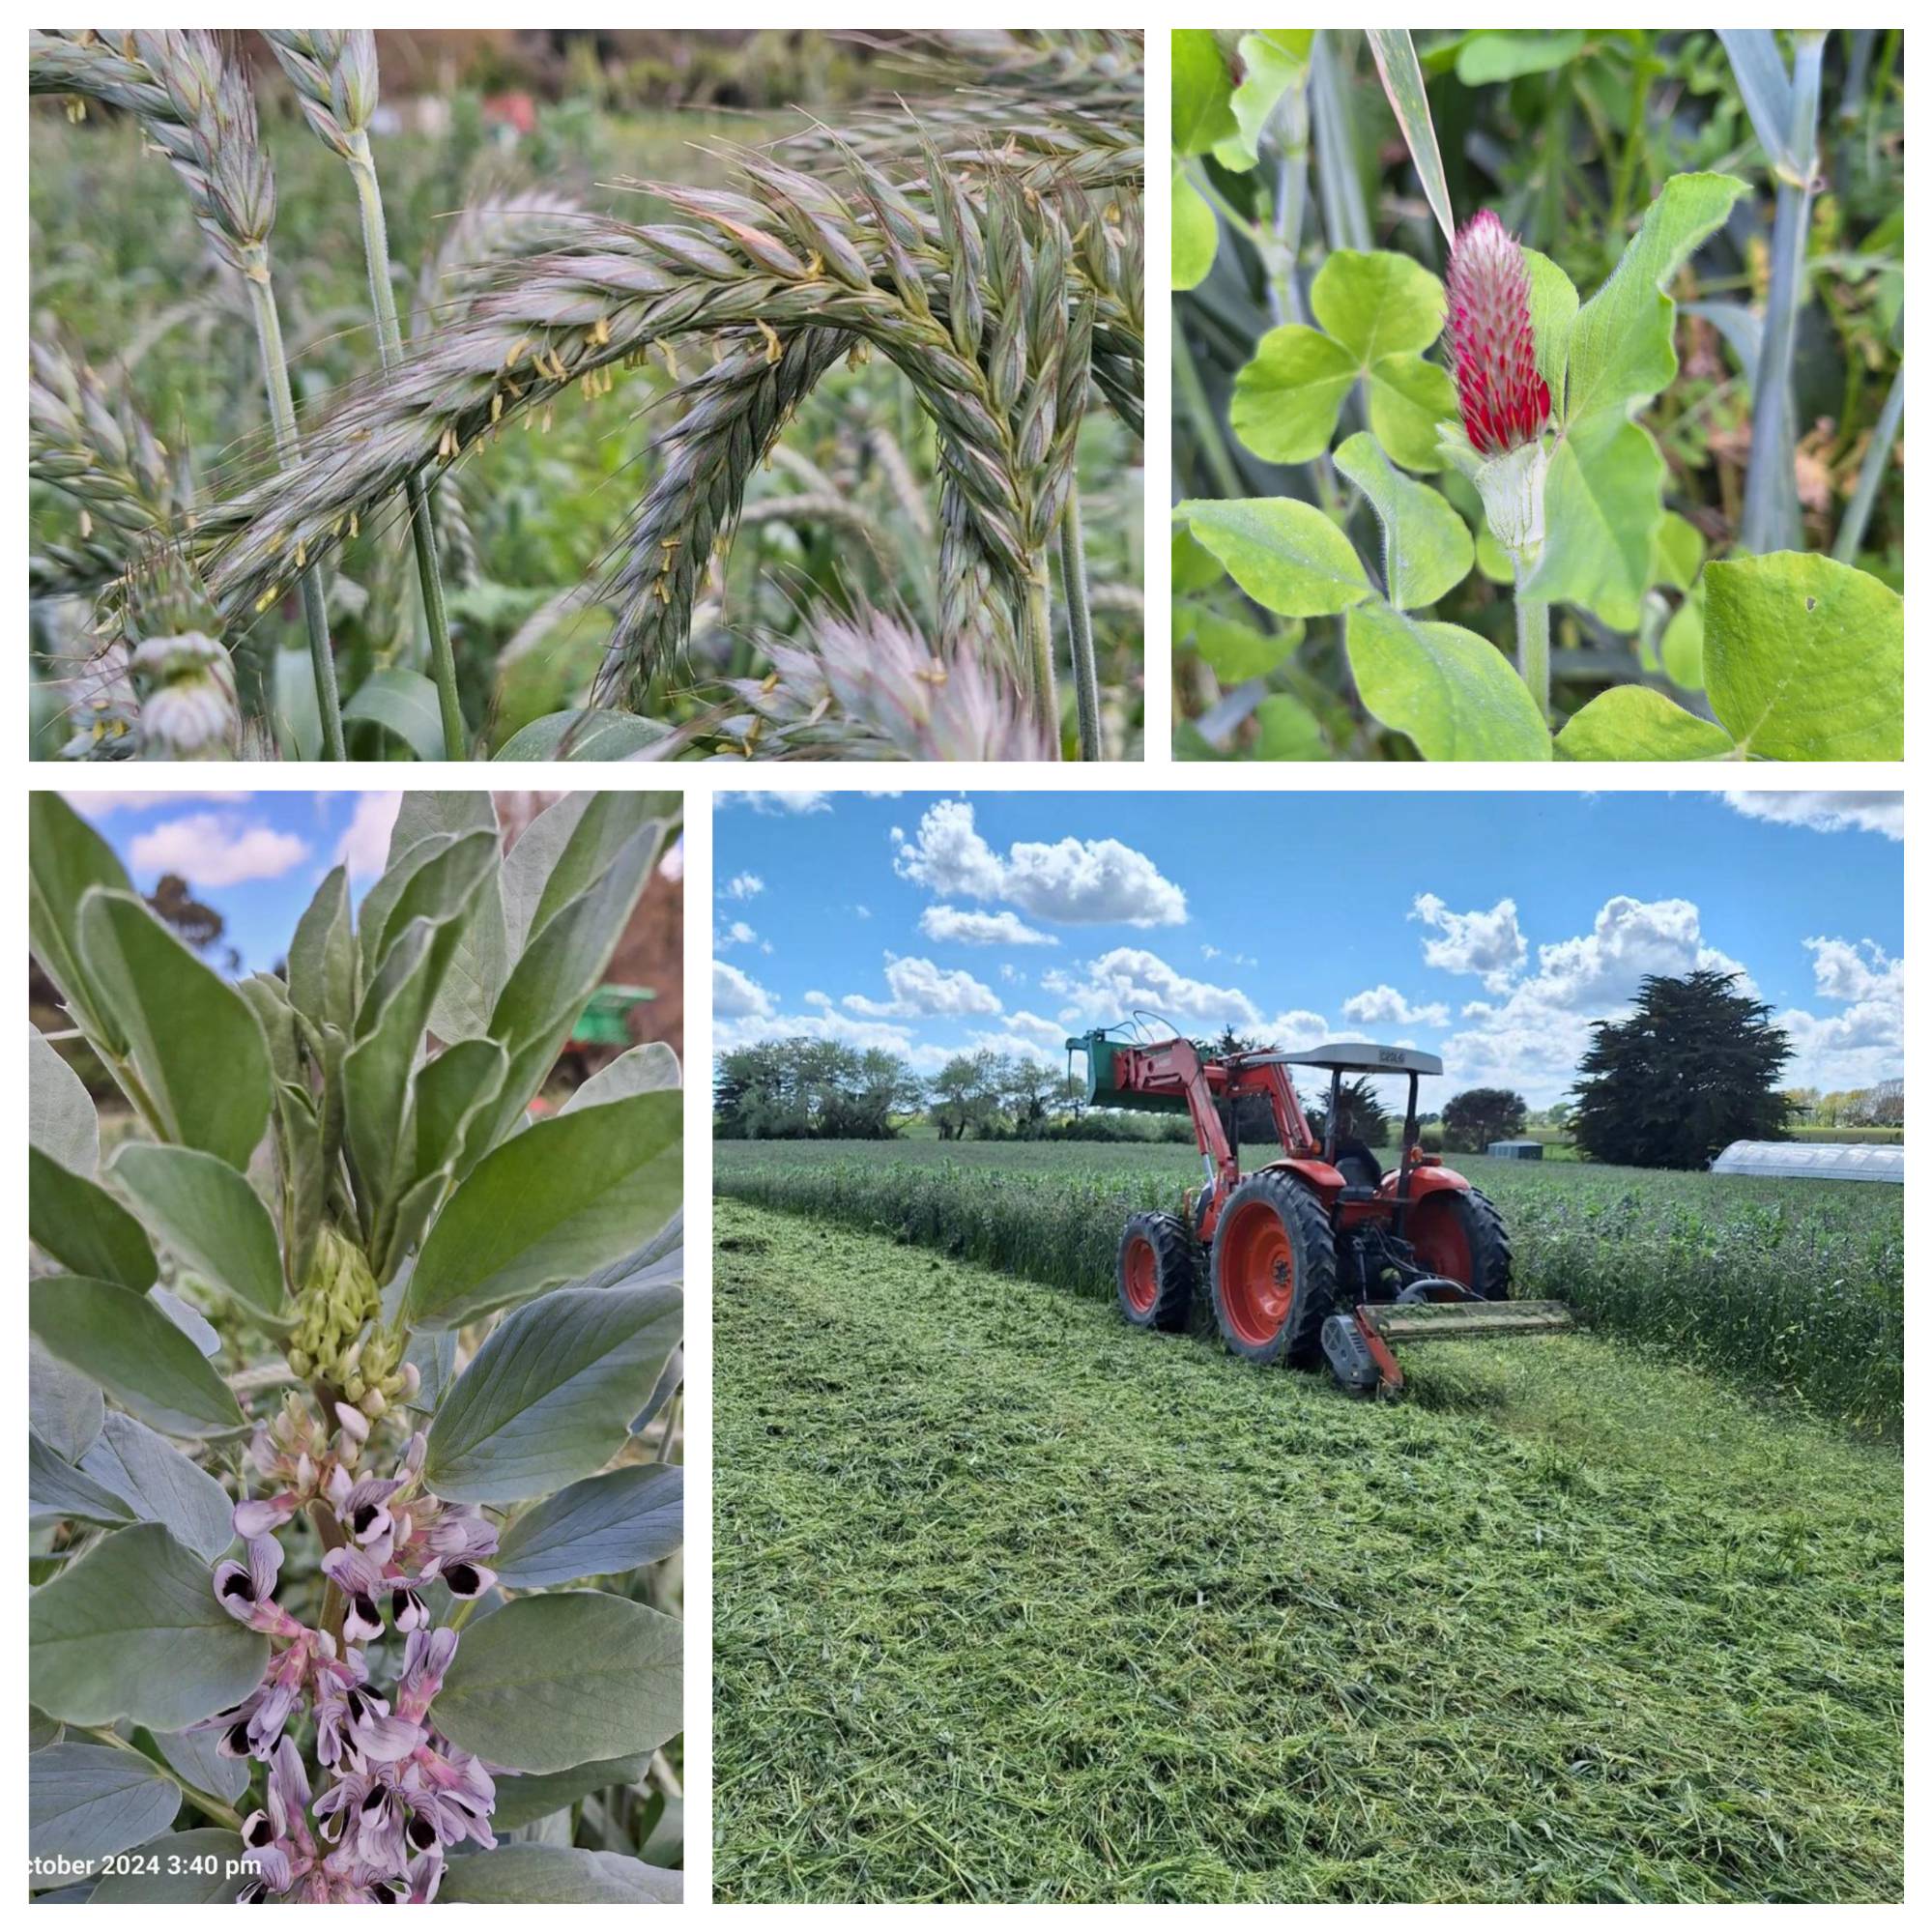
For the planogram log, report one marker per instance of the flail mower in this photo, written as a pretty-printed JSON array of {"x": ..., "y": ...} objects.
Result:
[{"x": 1319, "y": 1256}]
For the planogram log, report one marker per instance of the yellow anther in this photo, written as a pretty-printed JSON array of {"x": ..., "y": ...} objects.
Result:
[
  {"x": 600, "y": 331},
  {"x": 496, "y": 406},
  {"x": 774, "y": 349},
  {"x": 267, "y": 597}
]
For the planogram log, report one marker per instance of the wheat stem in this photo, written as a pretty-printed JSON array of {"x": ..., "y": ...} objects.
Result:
[
  {"x": 1036, "y": 630},
  {"x": 1079, "y": 627}
]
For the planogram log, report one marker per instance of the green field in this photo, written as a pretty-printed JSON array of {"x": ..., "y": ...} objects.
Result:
[
  {"x": 1788, "y": 1287},
  {"x": 1015, "y": 1603}
]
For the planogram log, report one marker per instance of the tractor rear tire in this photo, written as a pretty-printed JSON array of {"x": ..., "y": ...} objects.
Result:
[
  {"x": 1462, "y": 1236},
  {"x": 1155, "y": 1271},
  {"x": 1273, "y": 1271}
]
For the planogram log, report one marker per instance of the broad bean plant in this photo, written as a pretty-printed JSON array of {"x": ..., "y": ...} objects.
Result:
[
  {"x": 352, "y": 1383},
  {"x": 1530, "y": 394}
]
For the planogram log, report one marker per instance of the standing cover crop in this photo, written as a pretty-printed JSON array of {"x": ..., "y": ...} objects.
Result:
[
  {"x": 348, "y": 1397},
  {"x": 1536, "y": 410},
  {"x": 986, "y": 244}
]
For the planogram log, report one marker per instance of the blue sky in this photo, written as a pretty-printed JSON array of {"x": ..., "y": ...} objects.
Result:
[
  {"x": 256, "y": 857},
  {"x": 1492, "y": 927}
]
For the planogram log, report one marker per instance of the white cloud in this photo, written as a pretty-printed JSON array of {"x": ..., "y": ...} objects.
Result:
[
  {"x": 736, "y": 933},
  {"x": 743, "y": 885},
  {"x": 1294, "y": 1032},
  {"x": 217, "y": 848},
  {"x": 94, "y": 806},
  {"x": 1866, "y": 1042},
  {"x": 1130, "y": 978},
  {"x": 737, "y": 996},
  {"x": 1233, "y": 958},
  {"x": 921, "y": 989},
  {"x": 1881, "y": 812},
  {"x": 1074, "y": 881},
  {"x": 1384, "y": 1006},
  {"x": 773, "y": 804},
  {"x": 365, "y": 848},
  {"x": 1043, "y": 1032},
  {"x": 953, "y": 924},
  {"x": 1487, "y": 943},
  {"x": 1532, "y": 1039}
]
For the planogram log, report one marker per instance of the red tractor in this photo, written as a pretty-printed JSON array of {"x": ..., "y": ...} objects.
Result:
[{"x": 1319, "y": 1256}]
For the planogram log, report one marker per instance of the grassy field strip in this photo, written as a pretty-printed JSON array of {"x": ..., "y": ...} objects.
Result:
[
  {"x": 1015, "y": 1603},
  {"x": 1789, "y": 1287}
]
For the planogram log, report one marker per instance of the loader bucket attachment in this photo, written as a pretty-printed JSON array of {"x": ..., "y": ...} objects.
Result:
[{"x": 1359, "y": 1345}]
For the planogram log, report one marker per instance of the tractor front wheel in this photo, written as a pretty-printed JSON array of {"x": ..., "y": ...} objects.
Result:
[
  {"x": 1155, "y": 1271},
  {"x": 1460, "y": 1234},
  {"x": 1273, "y": 1271}
]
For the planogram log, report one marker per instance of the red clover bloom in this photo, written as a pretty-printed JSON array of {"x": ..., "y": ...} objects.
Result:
[{"x": 1491, "y": 344}]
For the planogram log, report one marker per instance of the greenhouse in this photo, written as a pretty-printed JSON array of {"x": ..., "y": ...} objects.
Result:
[{"x": 1812, "y": 1161}]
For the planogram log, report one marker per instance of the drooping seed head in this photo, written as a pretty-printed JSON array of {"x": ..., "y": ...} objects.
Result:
[{"x": 1491, "y": 344}]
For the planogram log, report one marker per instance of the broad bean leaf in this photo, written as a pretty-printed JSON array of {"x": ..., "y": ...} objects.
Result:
[
  {"x": 212, "y": 1221},
  {"x": 131, "y": 1630},
  {"x": 652, "y": 1068},
  {"x": 204, "y": 1868},
  {"x": 66, "y": 858},
  {"x": 86, "y": 1802},
  {"x": 64, "y": 1409},
  {"x": 566, "y": 1195},
  {"x": 548, "y": 1397},
  {"x": 482, "y": 961},
  {"x": 549, "y": 1682},
  {"x": 566, "y": 848},
  {"x": 1631, "y": 722},
  {"x": 127, "y": 1344},
  {"x": 57, "y": 1491},
  {"x": 197, "y": 1756},
  {"x": 556, "y": 1875},
  {"x": 1805, "y": 657},
  {"x": 1451, "y": 691},
  {"x": 61, "y": 1120},
  {"x": 161, "y": 1484},
  {"x": 525, "y": 1798},
  {"x": 322, "y": 958},
  {"x": 84, "y": 1227},
  {"x": 193, "y": 1042},
  {"x": 1283, "y": 553},
  {"x": 1427, "y": 548},
  {"x": 599, "y": 1527}
]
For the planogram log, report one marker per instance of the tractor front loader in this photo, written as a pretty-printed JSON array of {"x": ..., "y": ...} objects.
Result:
[{"x": 1319, "y": 1256}]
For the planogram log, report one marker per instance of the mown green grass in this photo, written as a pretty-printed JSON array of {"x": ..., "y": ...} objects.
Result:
[
  {"x": 1789, "y": 1288},
  {"x": 1015, "y": 1603}
]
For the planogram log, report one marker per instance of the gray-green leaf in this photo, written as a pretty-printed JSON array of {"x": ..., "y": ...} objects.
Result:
[
  {"x": 61, "y": 1120},
  {"x": 600, "y": 1527},
  {"x": 212, "y": 1219},
  {"x": 86, "y": 1802},
  {"x": 556, "y": 1875},
  {"x": 84, "y": 1227},
  {"x": 161, "y": 1486}
]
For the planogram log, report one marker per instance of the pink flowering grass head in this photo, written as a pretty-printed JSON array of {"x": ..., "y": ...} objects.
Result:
[{"x": 1491, "y": 344}]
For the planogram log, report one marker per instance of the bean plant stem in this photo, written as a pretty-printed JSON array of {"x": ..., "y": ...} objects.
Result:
[
  {"x": 281, "y": 415},
  {"x": 1871, "y": 475},
  {"x": 423, "y": 533},
  {"x": 1079, "y": 627},
  {"x": 1533, "y": 642},
  {"x": 201, "y": 1800}
]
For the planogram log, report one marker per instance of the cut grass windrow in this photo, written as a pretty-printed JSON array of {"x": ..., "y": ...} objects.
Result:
[
  {"x": 1016, "y": 1602},
  {"x": 1793, "y": 1288}
]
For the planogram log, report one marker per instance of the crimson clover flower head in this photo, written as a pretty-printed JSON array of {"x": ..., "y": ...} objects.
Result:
[{"x": 1491, "y": 344}]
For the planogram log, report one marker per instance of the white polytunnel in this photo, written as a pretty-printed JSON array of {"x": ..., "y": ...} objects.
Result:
[{"x": 1812, "y": 1161}]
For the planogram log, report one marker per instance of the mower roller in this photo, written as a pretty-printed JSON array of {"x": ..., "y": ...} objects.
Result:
[{"x": 1319, "y": 1256}]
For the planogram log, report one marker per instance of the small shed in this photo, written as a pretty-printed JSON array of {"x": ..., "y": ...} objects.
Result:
[
  {"x": 1516, "y": 1150},
  {"x": 1812, "y": 1161}
]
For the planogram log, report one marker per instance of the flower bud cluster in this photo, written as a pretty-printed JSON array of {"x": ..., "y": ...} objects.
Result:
[{"x": 338, "y": 1337}]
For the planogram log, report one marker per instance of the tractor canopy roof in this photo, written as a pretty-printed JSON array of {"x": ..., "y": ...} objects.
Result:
[{"x": 1353, "y": 1057}]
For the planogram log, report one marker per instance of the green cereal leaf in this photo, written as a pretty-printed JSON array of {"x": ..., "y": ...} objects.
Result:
[
  {"x": 1805, "y": 657},
  {"x": 1620, "y": 352},
  {"x": 1377, "y": 304},
  {"x": 1448, "y": 691},
  {"x": 1630, "y": 722},
  {"x": 1395, "y": 62},
  {"x": 1427, "y": 548},
  {"x": 1285, "y": 554},
  {"x": 1286, "y": 398},
  {"x": 402, "y": 702}
]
